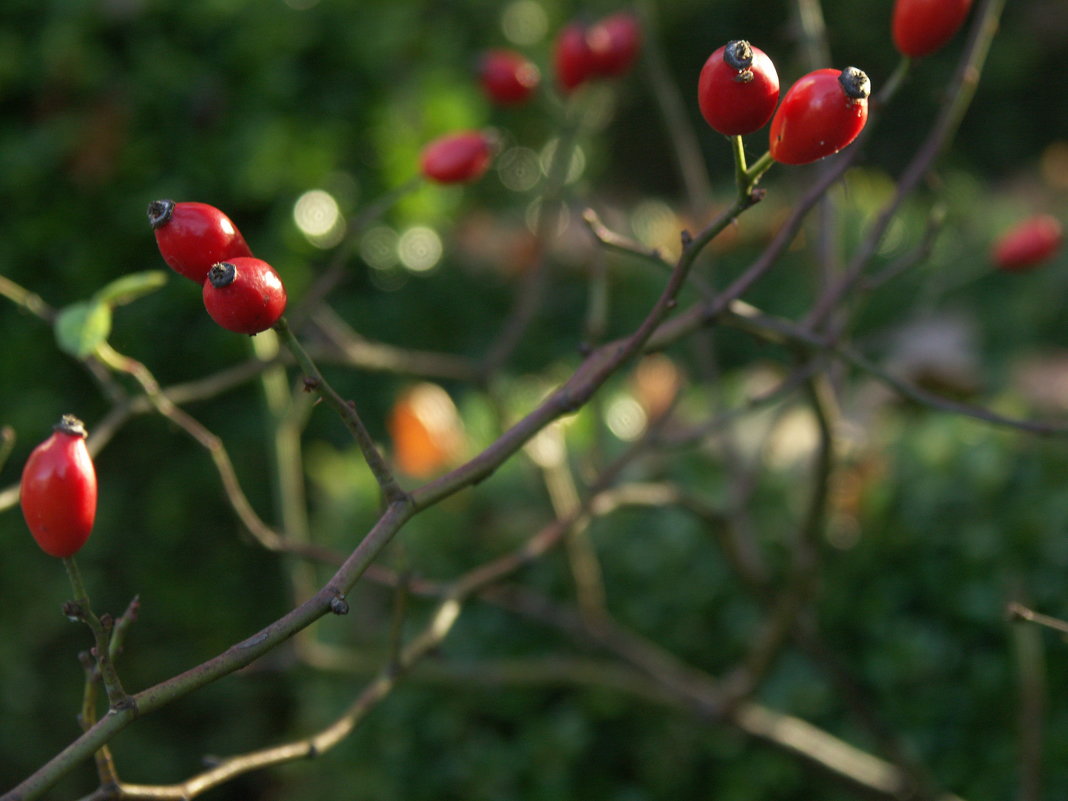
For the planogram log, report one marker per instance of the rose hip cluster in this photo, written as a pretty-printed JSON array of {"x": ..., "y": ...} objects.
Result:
[
  {"x": 825, "y": 110},
  {"x": 582, "y": 52},
  {"x": 605, "y": 49},
  {"x": 241, "y": 293}
]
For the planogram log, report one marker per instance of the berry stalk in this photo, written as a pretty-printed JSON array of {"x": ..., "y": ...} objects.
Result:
[{"x": 80, "y": 609}]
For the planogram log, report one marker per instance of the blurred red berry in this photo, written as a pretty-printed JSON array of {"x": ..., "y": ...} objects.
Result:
[
  {"x": 614, "y": 43},
  {"x": 1028, "y": 244},
  {"x": 572, "y": 57},
  {"x": 920, "y": 27},
  {"x": 457, "y": 157},
  {"x": 507, "y": 77}
]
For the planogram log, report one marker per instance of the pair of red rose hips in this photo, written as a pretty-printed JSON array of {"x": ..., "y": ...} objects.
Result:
[
  {"x": 605, "y": 49},
  {"x": 241, "y": 293},
  {"x": 738, "y": 91}
]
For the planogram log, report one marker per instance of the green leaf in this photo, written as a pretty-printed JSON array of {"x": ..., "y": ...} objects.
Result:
[
  {"x": 130, "y": 287},
  {"x": 82, "y": 326}
]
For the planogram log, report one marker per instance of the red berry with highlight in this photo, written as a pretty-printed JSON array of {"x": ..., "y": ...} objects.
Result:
[
  {"x": 819, "y": 115},
  {"x": 507, "y": 77},
  {"x": 572, "y": 58},
  {"x": 58, "y": 490},
  {"x": 920, "y": 27},
  {"x": 457, "y": 157},
  {"x": 1028, "y": 244},
  {"x": 244, "y": 295},
  {"x": 738, "y": 89},
  {"x": 194, "y": 236},
  {"x": 614, "y": 43}
]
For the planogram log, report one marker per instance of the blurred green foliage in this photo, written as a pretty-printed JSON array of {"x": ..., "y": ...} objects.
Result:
[{"x": 108, "y": 105}]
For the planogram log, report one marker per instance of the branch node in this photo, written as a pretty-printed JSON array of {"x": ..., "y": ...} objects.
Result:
[{"x": 338, "y": 604}]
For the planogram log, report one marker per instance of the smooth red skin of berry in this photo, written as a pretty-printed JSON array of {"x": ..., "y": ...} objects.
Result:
[
  {"x": 249, "y": 304},
  {"x": 920, "y": 27},
  {"x": 196, "y": 236},
  {"x": 457, "y": 158},
  {"x": 507, "y": 77},
  {"x": 815, "y": 119},
  {"x": 58, "y": 493},
  {"x": 732, "y": 105},
  {"x": 614, "y": 43},
  {"x": 573, "y": 60},
  {"x": 1028, "y": 244}
]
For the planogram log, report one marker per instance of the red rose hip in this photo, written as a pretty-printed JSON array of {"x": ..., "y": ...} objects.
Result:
[
  {"x": 507, "y": 77},
  {"x": 457, "y": 157},
  {"x": 738, "y": 89},
  {"x": 1028, "y": 244},
  {"x": 920, "y": 27},
  {"x": 819, "y": 115},
  {"x": 573, "y": 60},
  {"x": 244, "y": 295},
  {"x": 613, "y": 44},
  {"x": 194, "y": 236},
  {"x": 58, "y": 490}
]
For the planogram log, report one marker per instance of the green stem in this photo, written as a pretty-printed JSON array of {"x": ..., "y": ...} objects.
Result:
[
  {"x": 758, "y": 168},
  {"x": 891, "y": 85},
  {"x": 117, "y": 697},
  {"x": 741, "y": 178},
  {"x": 346, "y": 410}
]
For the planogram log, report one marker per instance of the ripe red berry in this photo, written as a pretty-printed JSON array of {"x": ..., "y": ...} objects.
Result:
[
  {"x": 457, "y": 157},
  {"x": 738, "y": 89},
  {"x": 507, "y": 77},
  {"x": 572, "y": 58},
  {"x": 920, "y": 27},
  {"x": 58, "y": 490},
  {"x": 1028, "y": 244},
  {"x": 244, "y": 295},
  {"x": 819, "y": 115},
  {"x": 194, "y": 236},
  {"x": 614, "y": 43}
]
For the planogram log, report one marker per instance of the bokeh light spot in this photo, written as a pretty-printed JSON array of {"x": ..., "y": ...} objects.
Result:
[
  {"x": 419, "y": 248},
  {"x": 519, "y": 169},
  {"x": 318, "y": 217},
  {"x": 625, "y": 417},
  {"x": 575, "y": 168},
  {"x": 524, "y": 22},
  {"x": 378, "y": 248}
]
